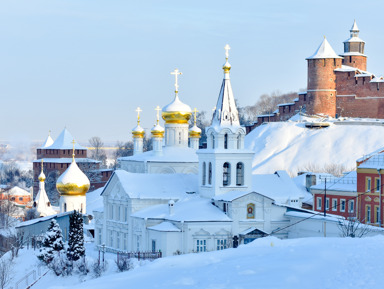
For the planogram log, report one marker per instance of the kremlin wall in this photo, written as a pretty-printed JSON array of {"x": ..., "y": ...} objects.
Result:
[{"x": 337, "y": 85}]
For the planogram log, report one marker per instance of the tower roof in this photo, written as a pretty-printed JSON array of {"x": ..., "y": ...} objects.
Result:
[
  {"x": 64, "y": 142},
  {"x": 354, "y": 27},
  {"x": 226, "y": 113},
  {"x": 48, "y": 141},
  {"x": 354, "y": 34},
  {"x": 325, "y": 50}
]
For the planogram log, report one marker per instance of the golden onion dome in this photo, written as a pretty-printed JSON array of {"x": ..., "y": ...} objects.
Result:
[
  {"x": 73, "y": 181},
  {"x": 42, "y": 176},
  {"x": 195, "y": 131},
  {"x": 157, "y": 131},
  {"x": 176, "y": 112},
  {"x": 138, "y": 131}
]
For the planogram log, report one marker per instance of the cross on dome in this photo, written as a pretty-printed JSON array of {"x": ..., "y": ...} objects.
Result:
[
  {"x": 195, "y": 113},
  {"x": 227, "y": 48},
  {"x": 73, "y": 150},
  {"x": 138, "y": 110},
  {"x": 158, "y": 109},
  {"x": 176, "y": 73}
]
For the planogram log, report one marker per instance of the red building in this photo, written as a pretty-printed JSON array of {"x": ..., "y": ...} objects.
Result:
[
  {"x": 337, "y": 85},
  {"x": 340, "y": 194},
  {"x": 369, "y": 188}
]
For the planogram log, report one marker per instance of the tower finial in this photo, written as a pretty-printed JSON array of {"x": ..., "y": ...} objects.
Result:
[
  {"x": 226, "y": 65},
  {"x": 49, "y": 133},
  {"x": 194, "y": 117},
  {"x": 138, "y": 110},
  {"x": 73, "y": 150},
  {"x": 158, "y": 109},
  {"x": 42, "y": 163},
  {"x": 176, "y": 73}
]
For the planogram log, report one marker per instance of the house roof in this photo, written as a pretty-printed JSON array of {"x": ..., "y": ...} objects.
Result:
[{"x": 64, "y": 141}]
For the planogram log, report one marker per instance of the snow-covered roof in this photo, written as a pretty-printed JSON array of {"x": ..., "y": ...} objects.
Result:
[
  {"x": 165, "y": 227},
  {"x": 156, "y": 186},
  {"x": 64, "y": 142},
  {"x": 17, "y": 191},
  {"x": 284, "y": 104},
  {"x": 191, "y": 209},
  {"x": 314, "y": 216},
  {"x": 347, "y": 183},
  {"x": 324, "y": 51},
  {"x": 169, "y": 154},
  {"x": 377, "y": 79},
  {"x": 352, "y": 54},
  {"x": 230, "y": 196},
  {"x": 346, "y": 68},
  {"x": 48, "y": 142},
  {"x": 374, "y": 162},
  {"x": 43, "y": 205},
  {"x": 43, "y": 219},
  {"x": 278, "y": 186},
  {"x": 354, "y": 39},
  {"x": 94, "y": 200},
  {"x": 66, "y": 160}
]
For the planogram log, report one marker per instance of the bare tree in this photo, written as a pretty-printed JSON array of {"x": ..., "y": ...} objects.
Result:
[
  {"x": 202, "y": 121},
  {"x": 8, "y": 214},
  {"x": 6, "y": 266},
  {"x": 352, "y": 227},
  {"x": 97, "y": 151}
]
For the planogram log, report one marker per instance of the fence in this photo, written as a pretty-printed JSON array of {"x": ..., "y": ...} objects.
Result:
[
  {"x": 29, "y": 279},
  {"x": 139, "y": 255}
]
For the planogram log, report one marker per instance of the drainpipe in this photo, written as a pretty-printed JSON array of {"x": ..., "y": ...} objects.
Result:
[{"x": 378, "y": 171}]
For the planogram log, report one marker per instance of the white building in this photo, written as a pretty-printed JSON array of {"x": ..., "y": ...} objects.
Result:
[{"x": 179, "y": 212}]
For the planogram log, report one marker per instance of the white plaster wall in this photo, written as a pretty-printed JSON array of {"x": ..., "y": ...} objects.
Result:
[
  {"x": 172, "y": 132},
  {"x": 77, "y": 203}
]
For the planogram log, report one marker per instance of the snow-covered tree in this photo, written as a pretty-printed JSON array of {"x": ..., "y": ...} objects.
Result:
[
  {"x": 53, "y": 244},
  {"x": 76, "y": 248}
]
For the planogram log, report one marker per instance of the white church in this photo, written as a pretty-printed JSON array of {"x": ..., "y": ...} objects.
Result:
[{"x": 178, "y": 198}]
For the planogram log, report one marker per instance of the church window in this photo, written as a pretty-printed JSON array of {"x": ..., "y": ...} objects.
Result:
[
  {"x": 239, "y": 141},
  {"x": 153, "y": 245},
  {"x": 225, "y": 207},
  {"x": 201, "y": 245},
  {"x": 111, "y": 212},
  {"x": 65, "y": 207},
  {"x": 226, "y": 141},
  {"x": 226, "y": 174},
  {"x": 125, "y": 214},
  {"x": 210, "y": 174},
  {"x": 118, "y": 213},
  {"x": 221, "y": 244},
  {"x": 117, "y": 240},
  {"x": 179, "y": 137},
  {"x": 250, "y": 211},
  {"x": 204, "y": 173},
  {"x": 213, "y": 141},
  {"x": 111, "y": 238},
  {"x": 240, "y": 174}
]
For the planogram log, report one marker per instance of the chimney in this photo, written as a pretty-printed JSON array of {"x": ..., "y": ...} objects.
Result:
[
  {"x": 310, "y": 180},
  {"x": 171, "y": 204}
]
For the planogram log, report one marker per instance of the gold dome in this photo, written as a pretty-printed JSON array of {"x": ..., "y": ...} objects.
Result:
[{"x": 42, "y": 175}]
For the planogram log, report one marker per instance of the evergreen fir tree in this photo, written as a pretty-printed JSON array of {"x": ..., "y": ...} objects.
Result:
[
  {"x": 76, "y": 248},
  {"x": 52, "y": 243}
]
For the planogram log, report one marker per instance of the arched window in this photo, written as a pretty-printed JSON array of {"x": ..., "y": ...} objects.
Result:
[
  {"x": 210, "y": 174},
  {"x": 65, "y": 207},
  {"x": 204, "y": 172},
  {"x": 239, "y": 141},
  {"x": 226, "y": 141},
  {"x": 213, "y": 141},
  {"x": 240, "y": 174},
  {"x": 226, "y": 174}
]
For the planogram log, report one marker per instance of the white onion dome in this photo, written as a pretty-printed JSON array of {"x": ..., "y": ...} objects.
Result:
[
  {"x": 195, "y": 131},
  {"x": 176, "y": 112},
  {"x": 73, "y": 181},
  {"x": 138, "y": 131},
  {"x": 157, "y": 131},
  {"x": 42, "y": 176}
]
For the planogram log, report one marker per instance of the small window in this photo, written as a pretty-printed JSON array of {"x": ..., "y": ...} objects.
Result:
[
  {"x": 351, "y": 206},
  {"x": 342, "y": 206},
  {"x": 153, "y": 245},
  {"x": 368, "y": 213},
  {"x": 213, "y": 141},
  {"x": 334, "y": 204},
  {"x": 221, "y": 244},
  {"x": 240, "y": 174},
  {"x": 226, "y": 141},
  {"x": 368, "y": 184},
  {"x": 65, "y": 207},
  {"x": 377, "y": 185},
  {"x": 210, "y": 174},
  {"x": 327, "y": 204},
  {"x": 201, "y": 245},
  {"x": 377, "y": 214},
  {"x": 204, "y": 173},
  {"x": 318, "y": 203}
]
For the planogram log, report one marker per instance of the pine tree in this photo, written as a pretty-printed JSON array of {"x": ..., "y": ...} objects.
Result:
[
  {"x": 76, "y": 248},
  {"x": 52, "y": 243}
]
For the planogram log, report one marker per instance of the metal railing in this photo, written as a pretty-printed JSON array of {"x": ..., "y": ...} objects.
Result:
[{"x": 29, "y": 279}]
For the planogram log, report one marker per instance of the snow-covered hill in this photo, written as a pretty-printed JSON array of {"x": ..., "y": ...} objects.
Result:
[
  {"x": 291, "y": 146},
  {"x": 265, "y": 263}
]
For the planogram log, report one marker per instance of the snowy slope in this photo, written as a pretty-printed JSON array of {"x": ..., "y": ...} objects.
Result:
[
  {"x": 265, "y": 263},
  {"x": 290, "y": 146}
]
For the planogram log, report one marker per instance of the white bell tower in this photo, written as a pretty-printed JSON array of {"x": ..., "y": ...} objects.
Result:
[{"x": 225, "y": 165}]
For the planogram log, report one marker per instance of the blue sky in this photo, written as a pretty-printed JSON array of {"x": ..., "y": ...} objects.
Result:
[{"x": 88, "y": 64}]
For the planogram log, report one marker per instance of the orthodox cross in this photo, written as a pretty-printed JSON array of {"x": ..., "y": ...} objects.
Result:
[
  {"x": 73, "y": 150},
  {"x": 176, "y": 73},
  {"x": 158, "y": 113},
  {"x": 195, "y": 111},
  {"x": 138, "y": 110},
  {"x": 42, "y": 164},
  {"x": 227, "y": 51}
]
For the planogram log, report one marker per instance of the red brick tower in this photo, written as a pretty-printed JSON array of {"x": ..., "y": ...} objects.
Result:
[
  {"x": 321, "y": 86},
  {"x": 354, "y": 50}
]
